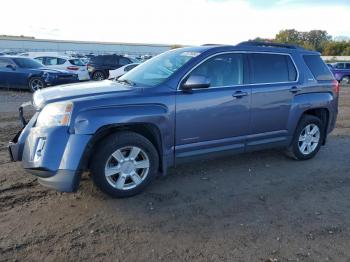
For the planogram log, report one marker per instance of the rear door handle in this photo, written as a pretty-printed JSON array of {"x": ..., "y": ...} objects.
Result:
[
  {"x": 239, "y": 94},
  {"x": 295, "y": 89}
]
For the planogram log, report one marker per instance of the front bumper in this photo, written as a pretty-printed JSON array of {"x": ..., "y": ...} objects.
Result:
[{"x": 52, "y": 154}]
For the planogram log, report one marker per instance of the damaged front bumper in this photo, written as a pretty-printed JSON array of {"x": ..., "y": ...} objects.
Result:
[{"x": 52, "y": 154}]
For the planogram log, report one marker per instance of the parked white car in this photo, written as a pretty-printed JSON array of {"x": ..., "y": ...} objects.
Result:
[
  {"x": 71, "y": 64},
  {"x": 121, "y": 70}
]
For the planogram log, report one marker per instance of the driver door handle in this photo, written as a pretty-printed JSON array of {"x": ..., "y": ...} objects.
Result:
[{"x": 239, "y": 94}]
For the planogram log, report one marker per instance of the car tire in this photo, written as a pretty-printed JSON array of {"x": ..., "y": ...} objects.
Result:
[
  {"x": 307, "y": 139},
  {"x": 345, "y": 80},
  {"x": 36, "y": 83},
  {"x": 98, "y": 76},
  {"x": 124, "y": 164}
]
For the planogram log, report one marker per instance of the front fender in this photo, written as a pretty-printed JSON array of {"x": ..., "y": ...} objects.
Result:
[
  {"x": 87, "y": 122},
  {"x": 91, "y": 121}
]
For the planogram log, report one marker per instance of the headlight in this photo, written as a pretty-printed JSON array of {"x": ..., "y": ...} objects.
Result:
[
  {"x": 55, "y": 114},
  {"x": 38, "y": 99}
]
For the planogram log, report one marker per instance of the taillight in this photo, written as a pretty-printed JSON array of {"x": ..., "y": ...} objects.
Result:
[
  {"x": 73, "y": 68},
  {"x": 336, "y": 86}
]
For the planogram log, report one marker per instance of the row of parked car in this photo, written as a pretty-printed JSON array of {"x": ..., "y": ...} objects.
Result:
[{"x": 34, "y": 71}]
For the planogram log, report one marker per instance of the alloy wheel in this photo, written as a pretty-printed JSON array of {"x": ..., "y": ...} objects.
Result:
[
  {"x": 127, "y": 168},
  {"x": 99, "y": 76},
  {"x": 309, "y": 139},
  {"x": 36, "y": 84}
]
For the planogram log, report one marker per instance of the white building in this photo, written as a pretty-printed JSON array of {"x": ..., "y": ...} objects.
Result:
[{"x": 27, "y": 44}]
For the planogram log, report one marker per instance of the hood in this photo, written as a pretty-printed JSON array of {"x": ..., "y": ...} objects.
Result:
[{"x": 72, "y": 91}]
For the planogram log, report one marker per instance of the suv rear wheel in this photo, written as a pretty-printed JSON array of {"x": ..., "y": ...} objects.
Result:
[
  {"x": 98, "y": 76},
  {"x": 308, "y": 138},
  {"x": 124, "y": 164}
]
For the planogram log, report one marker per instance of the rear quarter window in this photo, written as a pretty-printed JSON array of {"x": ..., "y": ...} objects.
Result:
[
  {"x": 76, "y": 62},
  {"x": 317, "y": 67}
]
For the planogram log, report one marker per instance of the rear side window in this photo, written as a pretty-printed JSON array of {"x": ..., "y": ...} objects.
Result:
[
  {"x": 128, "y": 68},
  {"x": 339, "y": 66},
  {"x": 54, "y": 61},
  {"x": 96, "y": 60},
  {"x": 76, "y": 62},
  {"x": 110, "y": 60},
  {"x": 272, "y": 68},
  {"x": 5, "y": 62},
  {"x": 124, "y": 61},
  {"x": 317, "y": 67}
]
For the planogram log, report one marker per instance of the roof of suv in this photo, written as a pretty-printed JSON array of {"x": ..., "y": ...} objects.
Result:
[{"x": 259, "y": 46}]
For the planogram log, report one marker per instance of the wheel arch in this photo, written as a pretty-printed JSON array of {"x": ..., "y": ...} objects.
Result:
[
  {"x": 148, "y": 130},
  {"x": 323, "y": 114}
]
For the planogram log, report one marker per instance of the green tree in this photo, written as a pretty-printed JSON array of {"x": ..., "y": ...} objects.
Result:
[
  {"x": 289, "y": 36},
  {"x": 317, "y": 39}
]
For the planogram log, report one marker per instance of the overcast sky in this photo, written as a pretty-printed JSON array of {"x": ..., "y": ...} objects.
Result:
[{"x": 170, "y": 21}]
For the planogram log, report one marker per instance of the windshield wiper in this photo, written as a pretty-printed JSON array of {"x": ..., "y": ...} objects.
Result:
[{"x": 126, "y": 81}]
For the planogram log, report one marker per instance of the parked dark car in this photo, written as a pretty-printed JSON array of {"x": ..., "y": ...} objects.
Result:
[
  {"x": 341, "y": 71},
  {"x": 183, "y": 104},
  {"x": 99, "y": 66},
  {"x": 26, "y": 73}
]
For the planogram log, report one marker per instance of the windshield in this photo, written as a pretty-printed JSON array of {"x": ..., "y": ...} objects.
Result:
[
  {"x": 159, "y": 68},
  {"x": 27, "y": 63}
]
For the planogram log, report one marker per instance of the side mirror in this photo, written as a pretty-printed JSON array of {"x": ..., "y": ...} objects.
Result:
[
  {"x": 195, "y": 82},
  {"x": 11, "y": 67}
]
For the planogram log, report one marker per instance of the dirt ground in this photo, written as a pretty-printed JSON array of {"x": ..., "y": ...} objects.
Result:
[{"x": 252, "y": 207}]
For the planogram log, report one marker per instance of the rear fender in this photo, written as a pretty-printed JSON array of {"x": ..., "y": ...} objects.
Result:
[{"x": 305, "y": 102}]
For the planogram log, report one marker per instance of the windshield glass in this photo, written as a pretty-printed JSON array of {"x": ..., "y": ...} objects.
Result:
[
  {"x": 159, "y": 68},
  {"x": 27, "y": 63}
]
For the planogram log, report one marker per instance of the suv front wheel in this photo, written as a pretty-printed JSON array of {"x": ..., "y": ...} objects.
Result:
[
  {"x": 124, "y": 164},
  {"x": 307, "y": 139}
]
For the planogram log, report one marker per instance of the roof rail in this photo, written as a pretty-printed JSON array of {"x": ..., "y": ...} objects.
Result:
[
  {"x": 268, "y": 44},
  {"x": 210, "y": 44}
]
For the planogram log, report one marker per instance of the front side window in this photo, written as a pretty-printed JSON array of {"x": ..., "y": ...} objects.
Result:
[
  {"x": 222, "y": 70},
  {"x": 40, "y": 59},
  {"x": 159, "y": 68},
  {"x": 271, "y": 68},
  {"x": 347, "y": 65}
]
